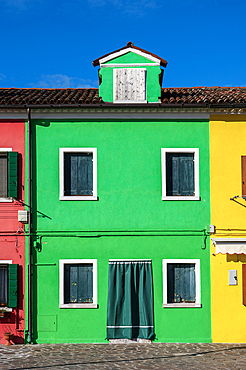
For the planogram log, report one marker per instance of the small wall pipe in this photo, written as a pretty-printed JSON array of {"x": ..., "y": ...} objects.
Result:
[{"x": 29, "y": 229}]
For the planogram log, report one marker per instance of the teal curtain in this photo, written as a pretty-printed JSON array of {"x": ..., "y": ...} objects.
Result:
[{"x": 130, "y": 311}]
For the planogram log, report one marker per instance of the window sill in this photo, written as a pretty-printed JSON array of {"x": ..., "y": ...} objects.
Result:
[
  {"x": 180, "y": 198},
  {"x": 6, "y": 200},
  {"x": 130, "y": 101},
  {"x": 78, "y": 305},
  {"x": 6, "y": 309},
  {"x": 183, "y": 305},
  {"x": 76, "y": 197}
]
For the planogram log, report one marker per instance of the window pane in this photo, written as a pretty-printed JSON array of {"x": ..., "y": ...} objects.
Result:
[
  {"x": 78, "y": 283},
  {"x": 180, "y": 174},
  {"x": 3, "y": 285},
  {"x": 181, "y": 285},
  {"x": 3, "y": 175},
  {"x": 78, "y": 174}
]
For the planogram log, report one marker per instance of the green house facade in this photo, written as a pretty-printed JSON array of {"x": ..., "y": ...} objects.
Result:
[{"x": 120, "y": 211}]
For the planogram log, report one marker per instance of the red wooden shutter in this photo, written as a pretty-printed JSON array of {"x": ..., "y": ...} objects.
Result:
[
  {"x": 243, "y": 166},
  {"x": 244, "y": 283}
]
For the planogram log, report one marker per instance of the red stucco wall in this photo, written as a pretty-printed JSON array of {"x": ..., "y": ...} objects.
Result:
[{"x": 12, "y": 135}]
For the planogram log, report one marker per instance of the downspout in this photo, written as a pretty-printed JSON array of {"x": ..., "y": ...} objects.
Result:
[{"x": 29, "y": 229}]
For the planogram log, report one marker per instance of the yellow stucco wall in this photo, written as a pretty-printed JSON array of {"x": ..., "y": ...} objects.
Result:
[{"x": 227, "y": 145}]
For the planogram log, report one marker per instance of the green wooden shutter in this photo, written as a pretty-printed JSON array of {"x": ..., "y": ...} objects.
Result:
[
  {"x": 85, "y": 283},
  {"x": 12, "y": 174},
  {"x": 73, "y": 284},
  {"x": 85, "y": 174},
  {"x": 186, "y": 176},
  {"x": 13, "y": 285},
  {"x": 172, "y": 174}
]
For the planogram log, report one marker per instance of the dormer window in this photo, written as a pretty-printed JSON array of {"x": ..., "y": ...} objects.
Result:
[
  {"x": 129, "y": 85},
  {"x": 130, "y": 75}
]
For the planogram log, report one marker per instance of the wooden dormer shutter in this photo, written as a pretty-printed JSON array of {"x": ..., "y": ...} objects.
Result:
[
  {"x": 12, "y": 174},
  {"x": 130, "y": 84}
]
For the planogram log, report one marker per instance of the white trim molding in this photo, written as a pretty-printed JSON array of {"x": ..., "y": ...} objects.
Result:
[
  {"x": 5, "y": 150},
  {"x": 197, "y": 282},
  {"x": 6, "y": 262},
  {"x": 61, "y": 173},
  {"x": 61, "y": 283},
  {"x": 194, "y": 151},
  {"x": 128, "y": 50}
]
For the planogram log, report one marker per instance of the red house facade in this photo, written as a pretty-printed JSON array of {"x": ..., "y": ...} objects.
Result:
[{"x": 12, "y": 226}]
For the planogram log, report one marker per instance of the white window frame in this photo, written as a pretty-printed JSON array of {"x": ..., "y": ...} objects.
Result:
[
  {"x": 61, "y": 283},
  {"x": 61, "y": 165},
  {"x": 6, "y": 262},
  {"x": 194, "y": 151},
  {"x": 197, "y": 277},
  {"x": 2, "y": 199},
  {"x": 128, "y": 101}
]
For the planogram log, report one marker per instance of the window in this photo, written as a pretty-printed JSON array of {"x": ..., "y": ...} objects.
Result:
[
  {"x": 78, "y": 283},
  {"x": 129, "y": 85},
  {"x": 78, "y": 174},
  {"x": 244, "y": 283},
  {"x": 181, "y": 283},
  {"x": 243, "y": 170},
  {"x": 8, "y": 284},
  {"x": 180, "y": 174},
  {"x": 8, "y": 174}
]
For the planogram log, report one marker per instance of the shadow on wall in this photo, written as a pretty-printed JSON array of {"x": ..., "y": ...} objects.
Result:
[{"x": 236, "y": 258}]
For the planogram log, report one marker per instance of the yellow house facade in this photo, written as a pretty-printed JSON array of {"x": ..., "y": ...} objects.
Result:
[{"x": 228, "y": 215}]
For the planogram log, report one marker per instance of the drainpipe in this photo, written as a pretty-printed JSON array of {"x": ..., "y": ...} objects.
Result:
[{"x": 29, "y": 227}]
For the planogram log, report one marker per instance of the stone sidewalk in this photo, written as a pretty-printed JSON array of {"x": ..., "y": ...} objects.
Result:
[{"x": 128, "y": 356}]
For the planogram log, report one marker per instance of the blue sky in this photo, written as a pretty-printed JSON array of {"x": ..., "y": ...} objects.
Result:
[{"x": 52, "y": 43}]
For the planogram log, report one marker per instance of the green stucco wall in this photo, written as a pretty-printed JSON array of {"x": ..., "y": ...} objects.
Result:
[
  {"x": 129, "y": 220},
  {"x": 152, "y": 77},
  {"x": 129, "y": 58}
]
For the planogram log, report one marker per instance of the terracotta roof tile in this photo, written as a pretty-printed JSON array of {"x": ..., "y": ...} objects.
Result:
[
  {"x": 169, "y": 96},
  {"x": 204, "y": 95},
  {"x": 48, "y": 96}
]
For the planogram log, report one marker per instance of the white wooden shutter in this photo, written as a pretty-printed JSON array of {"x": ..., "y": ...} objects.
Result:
[{"x": 129, "y": 85}]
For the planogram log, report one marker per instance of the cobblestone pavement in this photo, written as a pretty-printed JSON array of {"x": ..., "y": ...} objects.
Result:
[{"x": 128, "y": 356}]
